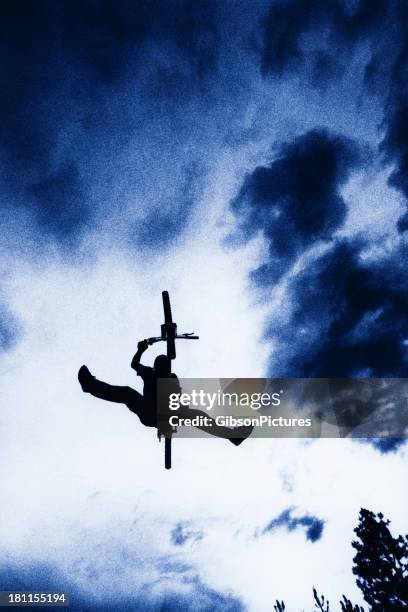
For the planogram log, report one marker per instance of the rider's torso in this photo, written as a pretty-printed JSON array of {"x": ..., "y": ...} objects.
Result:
[{"x": 150, "y": 394}]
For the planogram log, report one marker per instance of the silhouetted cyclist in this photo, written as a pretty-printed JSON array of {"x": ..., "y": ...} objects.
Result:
[{"x": 145, "y": 406}]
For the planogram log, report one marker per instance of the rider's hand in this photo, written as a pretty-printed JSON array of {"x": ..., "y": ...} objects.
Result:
[{"x": 142, "y": 345}]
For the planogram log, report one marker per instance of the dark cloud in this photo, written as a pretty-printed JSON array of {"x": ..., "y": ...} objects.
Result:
[
  {"x": 395, "y": 146},
  {"x": 325, "y": 67},
  {"x": 9, "y": 329},
  {"x": 317, "y": 40},
  {"x": 392, "y": 69},
  {"x": 288, "y": 23},
  {"x": 387, "y": 445},
  {"x": 167, "y": 218},
  {"x": 103, "y": 37},
  {"x": 182, "y": 534},
  {"x": 296, "y": 201},
  {"x": 347, "y": 317},
  {"x": 76, "y": 80},
  {"x": 312, "y": 524},
  {"x": 346, "y": 314},
  {"x": 187, "y": 592},
  {"x": 198, "y": 36},
  {"x": 60, "y": 203}
]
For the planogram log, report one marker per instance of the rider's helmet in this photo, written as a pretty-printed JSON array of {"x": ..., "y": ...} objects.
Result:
[{"x": 162, "y": 365}]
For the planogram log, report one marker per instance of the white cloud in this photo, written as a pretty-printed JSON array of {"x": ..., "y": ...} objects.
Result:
[{"x": 83, "y": 477}]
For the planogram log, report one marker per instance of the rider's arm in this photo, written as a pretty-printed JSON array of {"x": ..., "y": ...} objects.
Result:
[{"x": 136, "y": 365}]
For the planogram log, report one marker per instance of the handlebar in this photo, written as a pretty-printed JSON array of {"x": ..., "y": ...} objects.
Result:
[{"x": 189, "y": 336}]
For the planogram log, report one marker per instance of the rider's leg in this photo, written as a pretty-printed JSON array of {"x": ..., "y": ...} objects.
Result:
[
  {"x": 112, "y": 393},
  {"x": 212, "y": 428}
]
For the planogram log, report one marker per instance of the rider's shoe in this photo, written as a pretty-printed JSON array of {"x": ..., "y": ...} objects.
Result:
[
  {"x": 245, "y": 431},
  {"x": 237, "y": 441},
  {"x": 85, "y": 378}
]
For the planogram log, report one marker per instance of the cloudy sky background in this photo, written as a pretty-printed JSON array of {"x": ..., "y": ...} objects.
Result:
[{"x": 251, "y": 159}]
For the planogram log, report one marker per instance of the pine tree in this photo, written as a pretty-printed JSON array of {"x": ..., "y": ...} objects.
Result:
[
  {"x": 381, "y": 567},
  {"x": 381, "y": 564},
  {"x": 347, "y": 606},
  {"x": 321, "y": 603}
]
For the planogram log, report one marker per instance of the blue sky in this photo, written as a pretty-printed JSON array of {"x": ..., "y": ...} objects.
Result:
[{"x": 251, "y": 159}]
